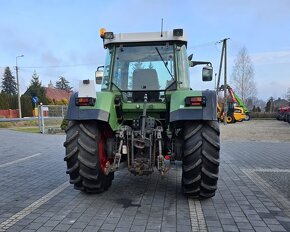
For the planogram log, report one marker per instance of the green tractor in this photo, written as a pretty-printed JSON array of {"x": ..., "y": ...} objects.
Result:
[{"x": 145, "y": 116}]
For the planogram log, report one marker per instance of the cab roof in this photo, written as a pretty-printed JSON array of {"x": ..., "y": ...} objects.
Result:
[{"x": 174, "y": 35}]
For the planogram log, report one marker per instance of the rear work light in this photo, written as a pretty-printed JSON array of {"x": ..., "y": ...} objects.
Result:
[
  {"x": 195, "y": 101},
  {"x": 85, "y": 101}
]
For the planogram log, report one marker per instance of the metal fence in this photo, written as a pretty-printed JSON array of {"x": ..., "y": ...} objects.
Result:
[{"x": 50, "y": 118}]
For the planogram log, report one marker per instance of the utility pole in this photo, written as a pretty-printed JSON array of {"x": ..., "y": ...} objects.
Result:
[
  {"x": 18, "y": 89},
  {"x": 220, "y": 68},
  {"x": 225, "y": 82},
  {"x": 215, "y": 81},
  {"x": 223, "y": 58}
]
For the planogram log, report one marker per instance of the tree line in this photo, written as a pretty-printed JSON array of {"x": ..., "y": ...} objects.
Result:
[
  {"x": 9, "y": 85},
  {"x": 9, "y": 91}
]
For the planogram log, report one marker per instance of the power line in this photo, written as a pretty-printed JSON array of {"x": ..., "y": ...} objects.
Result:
[
  {"x": 203, "y": 45},
  {"x": 53, "y": 66},
  {"x": 58, "y": 66}
]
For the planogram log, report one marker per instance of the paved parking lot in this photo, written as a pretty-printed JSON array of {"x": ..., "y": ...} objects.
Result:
[{"x": 253, "y": 192}]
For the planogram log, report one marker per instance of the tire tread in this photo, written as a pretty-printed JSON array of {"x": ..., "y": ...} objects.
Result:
[
  {"x": 82, "y": 157},
  {"x": 200, "y": 158}
]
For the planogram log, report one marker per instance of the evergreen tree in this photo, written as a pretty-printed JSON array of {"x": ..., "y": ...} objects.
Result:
[
  {"x": 270, "y": 105},
  {"x": 50, "y": 85},
  {"x": 9, "y": 85},
  {"x": 36, "y": 89},
  {"x": 63, "y": 84},
  {"x": 254, "y": 109}
]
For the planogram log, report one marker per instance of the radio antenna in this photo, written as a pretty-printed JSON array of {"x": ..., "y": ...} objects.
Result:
[{"x": 161, "y": 27}]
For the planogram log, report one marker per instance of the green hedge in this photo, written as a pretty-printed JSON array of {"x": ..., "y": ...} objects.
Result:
[
  {"x": 26, "y": 106},
  {"x": 11, "y": 102},
  {"x": 8, "y": 101},
  {"x": 263, "y": 114}
]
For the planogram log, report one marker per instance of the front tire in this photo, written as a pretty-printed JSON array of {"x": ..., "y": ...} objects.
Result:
[
  {"x": 230, "y": 119},
  {"x": 85, "y": 156},
  {"x": 200, "y": 158},
  {"x": 248, "y": 117}
]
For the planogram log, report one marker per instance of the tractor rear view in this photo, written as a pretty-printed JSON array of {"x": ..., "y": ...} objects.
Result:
[{"x": 145, "y": 115}]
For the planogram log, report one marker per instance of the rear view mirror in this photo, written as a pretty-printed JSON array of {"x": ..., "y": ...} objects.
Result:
[
  {"x": 207, "y": 73},
  {"x": 190, "y": 57},
  {"x": 99, "y": 75}
]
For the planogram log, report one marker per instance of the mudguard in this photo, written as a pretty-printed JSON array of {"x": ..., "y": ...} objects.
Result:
[
  {"x": 180, "y": 112},
  {"x": 85, "y": 113},
  {"x": 103, "y": 109}
]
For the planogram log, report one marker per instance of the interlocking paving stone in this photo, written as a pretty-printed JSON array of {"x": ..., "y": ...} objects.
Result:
[
  {"x": 45, "y": 229},
  {"x": 121, "y": 229},
  {"x": 151, "y": 203}
]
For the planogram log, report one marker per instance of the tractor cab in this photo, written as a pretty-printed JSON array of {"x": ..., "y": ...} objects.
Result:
[{"x": 145, "y": 64}]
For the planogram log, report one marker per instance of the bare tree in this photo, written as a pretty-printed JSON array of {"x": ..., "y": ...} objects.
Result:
[
  {"x": 287, "y": 96},
  {"x": 255, "y": 102},
  {"x": 243, "y": 76}
]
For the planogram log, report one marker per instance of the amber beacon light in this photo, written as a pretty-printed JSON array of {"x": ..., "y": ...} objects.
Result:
[{"x": 102, "y": 32}]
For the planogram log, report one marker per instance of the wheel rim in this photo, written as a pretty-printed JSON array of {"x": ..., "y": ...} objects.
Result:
[
  {"x": 102, "y": 154},
  {"x": 229, "y": 119}
]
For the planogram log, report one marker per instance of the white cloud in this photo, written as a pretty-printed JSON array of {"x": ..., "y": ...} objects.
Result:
[{"x": 273, "y": 57}]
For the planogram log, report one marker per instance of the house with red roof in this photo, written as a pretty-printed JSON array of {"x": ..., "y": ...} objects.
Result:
[{"x": 55, "y": 96}]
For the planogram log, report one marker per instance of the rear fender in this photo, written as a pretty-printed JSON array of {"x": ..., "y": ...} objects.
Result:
[
  {"x": 103, "y": 109},
  {"x": 180, "y": 112}
]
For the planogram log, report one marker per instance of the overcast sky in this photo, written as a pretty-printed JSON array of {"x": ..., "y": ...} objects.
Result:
[{"x": 61, "y": 37}]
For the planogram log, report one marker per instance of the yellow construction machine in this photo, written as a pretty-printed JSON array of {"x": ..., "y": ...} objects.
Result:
[{"x": 234, "y": 113}]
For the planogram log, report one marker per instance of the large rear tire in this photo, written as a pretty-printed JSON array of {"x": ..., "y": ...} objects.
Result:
[
  {"x": 86, "y": 157},
  {"x": 200, "y": 158}
]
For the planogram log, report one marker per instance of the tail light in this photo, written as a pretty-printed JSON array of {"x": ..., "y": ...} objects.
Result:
[
  {"x": 85, "y": 101},
  {"x": 195, "y": 101}
]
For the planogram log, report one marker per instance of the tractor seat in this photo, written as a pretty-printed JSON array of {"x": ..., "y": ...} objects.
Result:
[{"x": 143, "y": 81}]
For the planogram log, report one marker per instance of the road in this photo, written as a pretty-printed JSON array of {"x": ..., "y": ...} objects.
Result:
[
  {"x": 18, "y": 119},
  {"x": 253, "y": 192}
]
